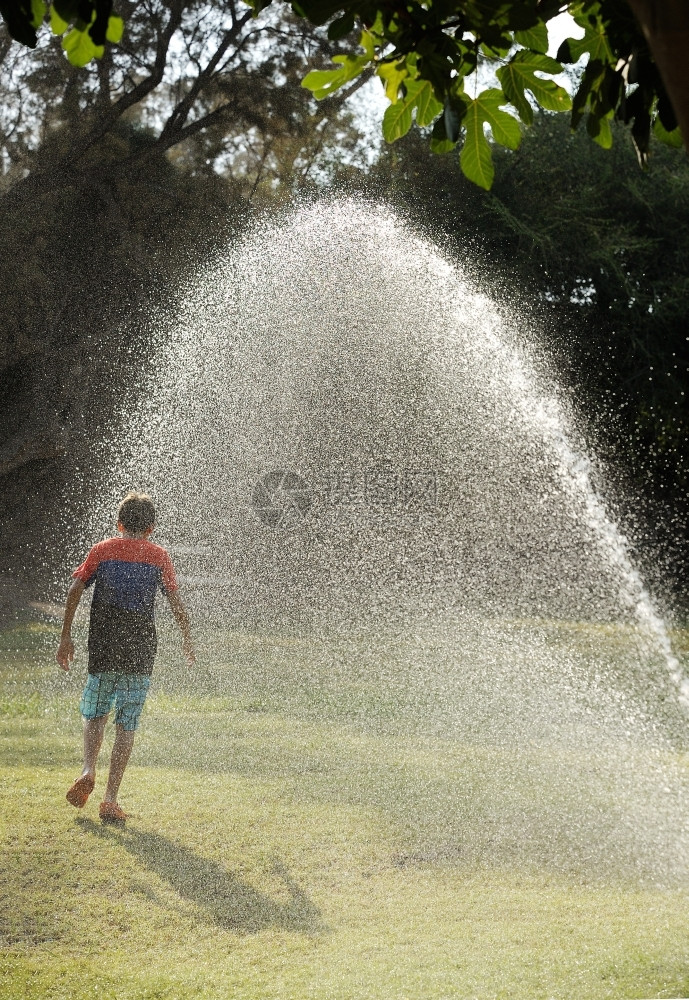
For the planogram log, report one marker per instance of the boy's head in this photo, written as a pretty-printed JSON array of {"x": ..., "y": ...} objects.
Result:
[{"x": 136, "y": 514}]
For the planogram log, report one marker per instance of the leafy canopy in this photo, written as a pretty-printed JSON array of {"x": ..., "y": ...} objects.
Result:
[
  {"x": 86, "y": 25},
  {"x": 428, "y": 56}
]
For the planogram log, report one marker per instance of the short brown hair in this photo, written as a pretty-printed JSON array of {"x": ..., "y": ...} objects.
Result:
[{"x": 136, "y": 512}]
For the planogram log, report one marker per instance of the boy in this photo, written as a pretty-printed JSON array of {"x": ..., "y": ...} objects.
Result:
[{"x": 122, "y": 641}]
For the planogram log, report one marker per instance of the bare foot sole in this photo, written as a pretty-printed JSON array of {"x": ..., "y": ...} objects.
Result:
[{"x": 80, "y": 791}]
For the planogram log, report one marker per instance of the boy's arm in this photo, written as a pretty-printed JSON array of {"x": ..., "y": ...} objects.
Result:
[
  {"x": 182, "y": 619},
  {"x": 65, "y": 651}
]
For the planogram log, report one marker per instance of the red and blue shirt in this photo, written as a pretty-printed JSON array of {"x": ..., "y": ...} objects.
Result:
[{"x": 127, "y": 573}]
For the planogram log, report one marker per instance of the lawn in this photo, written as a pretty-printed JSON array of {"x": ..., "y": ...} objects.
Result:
[{"x": 351, "y": 817}]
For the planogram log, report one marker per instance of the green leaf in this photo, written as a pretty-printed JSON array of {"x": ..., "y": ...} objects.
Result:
[
  {"x": 427, "y": 106},
  {"x": 563, "y": 54},
  {"x": 440, "y": 143},
  {"x": 504, "y": 126},
  {"x": 418, "y": 97},
  {"x": 476, "y": 159},
  {"x": 491, "y": 52},
  {"x": 67, "y": 10},
  {"x": 599, "y": 130},
  {"x": 392, "y": 74},
  {"x": 519, "y": 75},
  {"x": 115, "y": 29},
  {"x": 673, "y": 138},
  {"x": 594, "y": 41},
  {"x": 368, "y": 44},
  {"x": 80, "y": 48},
  {"x": 316, "y": 11},
  {"x": 589, "y": 86},
  {"x": 378, "y": 26},
  {"x": 397, "y": 120},
  {"x": 57, "y": 25},
  {"x": 341, "y": 27},
  {"x": 324, "y": 82},
  {"x": 535, "y": 38},
  {"x": 451, "y": 123},
  {"x": 37, "y": 13}
]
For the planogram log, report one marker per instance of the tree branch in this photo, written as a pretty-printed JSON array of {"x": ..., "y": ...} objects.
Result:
[
  {"x": 181, "y": 112},
  {"x": 142, "y": 89},
  {"x": 199, "y": 124}
]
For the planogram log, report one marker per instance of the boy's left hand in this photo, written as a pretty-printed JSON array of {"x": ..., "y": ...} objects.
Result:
[{"x": 65, "y": 653}]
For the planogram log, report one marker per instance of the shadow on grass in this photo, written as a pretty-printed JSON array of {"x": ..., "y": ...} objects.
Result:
[{"x": 225, "y": 899}]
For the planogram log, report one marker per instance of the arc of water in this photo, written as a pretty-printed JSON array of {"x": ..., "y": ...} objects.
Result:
[
  {"x": 545, "y": 413},
  {"x": 537, "y": 408}
]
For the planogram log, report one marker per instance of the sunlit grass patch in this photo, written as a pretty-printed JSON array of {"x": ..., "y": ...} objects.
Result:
[
  {"x": 31, "y": 705},
  {"x": 248, "y": 885},
  {"x": 299, "y": 830}
]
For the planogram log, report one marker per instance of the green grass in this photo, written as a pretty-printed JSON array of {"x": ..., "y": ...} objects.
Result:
[{"x": 317, "y": 819}]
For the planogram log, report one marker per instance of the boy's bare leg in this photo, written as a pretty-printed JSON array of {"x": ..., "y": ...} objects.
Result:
[
  {"x": 121, "y": 751},
  {"x": 93, "y": 740},
  {"x": 94, "y": 730}
]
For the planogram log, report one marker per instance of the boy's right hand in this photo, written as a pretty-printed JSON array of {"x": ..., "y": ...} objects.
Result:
[
  {"x": 188, "y": 651},
  {"x": 65, "y": 653}
]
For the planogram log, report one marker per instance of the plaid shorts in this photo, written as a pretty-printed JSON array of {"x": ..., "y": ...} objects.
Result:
[{"x": 126, "y": 691}]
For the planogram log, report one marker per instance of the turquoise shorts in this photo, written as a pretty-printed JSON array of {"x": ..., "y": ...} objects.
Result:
[{"x": 127, "y": 692}]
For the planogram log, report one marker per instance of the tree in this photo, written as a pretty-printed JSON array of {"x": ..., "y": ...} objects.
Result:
[
  {"x": 198, "y": 75},
  {"x": 97, "y": 164},
  {"x": 114, "y": 190},
  {"x": 425, "y": 53}
]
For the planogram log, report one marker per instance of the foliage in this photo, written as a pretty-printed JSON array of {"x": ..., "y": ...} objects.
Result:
[
  {"x": 90, "y": 22},
  {"x": 428, "y": 56},
  {"x": 443, "y": 44},
  {"x": 198, "y": 77}
]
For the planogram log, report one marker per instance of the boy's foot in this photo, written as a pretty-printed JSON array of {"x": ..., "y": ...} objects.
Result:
[
  {"x": 110, "y": 812},
  {"x": 80, "y": 791}
]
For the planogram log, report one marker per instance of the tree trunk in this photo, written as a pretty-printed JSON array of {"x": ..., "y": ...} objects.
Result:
[{"x": 665, "y": 23}]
